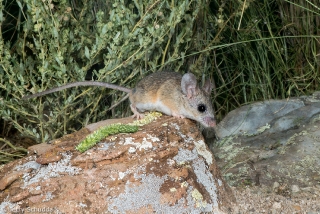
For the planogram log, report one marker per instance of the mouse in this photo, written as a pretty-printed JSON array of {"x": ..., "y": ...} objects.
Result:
[{"x": 168, "y": 92}]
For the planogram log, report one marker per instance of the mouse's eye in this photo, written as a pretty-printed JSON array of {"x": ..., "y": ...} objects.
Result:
[{"x": 202, "y": 108}]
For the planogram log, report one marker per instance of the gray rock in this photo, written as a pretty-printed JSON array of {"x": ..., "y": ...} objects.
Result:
[{"x": 271, "y": 141}]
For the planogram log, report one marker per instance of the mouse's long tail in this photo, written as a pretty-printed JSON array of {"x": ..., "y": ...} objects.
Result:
[{"x": 84, "y": 83}]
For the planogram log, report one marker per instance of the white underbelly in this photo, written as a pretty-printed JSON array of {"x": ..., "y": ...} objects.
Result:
[{"x": 158, "y": 106}]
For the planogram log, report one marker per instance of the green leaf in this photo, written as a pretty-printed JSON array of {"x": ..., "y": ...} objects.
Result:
[
  {"x": 86, "y": 52},
  {"x": 19, "y": 4},
  {"x": 104, "y": 29}
]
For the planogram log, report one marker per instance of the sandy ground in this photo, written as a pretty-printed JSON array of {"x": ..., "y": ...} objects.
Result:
[{"x": 262, "y": 200}]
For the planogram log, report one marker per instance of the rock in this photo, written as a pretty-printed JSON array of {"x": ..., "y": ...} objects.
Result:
[
  {"x": 276, "y": 205},
  {"x": 8, "y": 179},
  {"x": 297, "y": 207},
  {"x": 295, "y": 188},
  {"x": 164, "y": 168},
  {"x": 248, "y": 119},
  {"x": 275, "y": 186},
  {"x": 271, "y": 141}
]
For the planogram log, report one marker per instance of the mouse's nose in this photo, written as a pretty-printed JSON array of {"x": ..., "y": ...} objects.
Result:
[{"x": 210, "y": 121}]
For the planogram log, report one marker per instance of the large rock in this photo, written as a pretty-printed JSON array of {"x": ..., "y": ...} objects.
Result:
[
  {"x": 164, "y": 168},
  {"x": 272, "y": 142}
]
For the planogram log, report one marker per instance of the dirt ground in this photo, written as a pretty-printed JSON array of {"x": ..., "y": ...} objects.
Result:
[{"x": 264, "y": 200}]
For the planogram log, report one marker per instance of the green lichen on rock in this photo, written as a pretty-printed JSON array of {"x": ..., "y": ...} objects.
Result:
[
  {"x": 98, "y": 135},
  {"x": 198, "y": 198},
  {"x": 95, "y": 137}
]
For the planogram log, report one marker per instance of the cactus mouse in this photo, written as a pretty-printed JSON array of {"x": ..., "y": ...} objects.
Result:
[{"x": 168, "y": 92}]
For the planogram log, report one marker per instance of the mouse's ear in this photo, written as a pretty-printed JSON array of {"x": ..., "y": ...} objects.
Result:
[
  {"x": 207, "y": 87},
  {"x": 189, "y": 85}
]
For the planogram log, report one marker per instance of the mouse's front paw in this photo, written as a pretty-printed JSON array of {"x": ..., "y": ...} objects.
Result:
[
  {"x": 136, "y": 114},
  {"x": 178, "y": 115}
]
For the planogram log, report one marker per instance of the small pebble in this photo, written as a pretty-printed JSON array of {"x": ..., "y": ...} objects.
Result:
[
  {"x": 297, "y": 207},
  {"x": 295, "y": 188},
  {"x": 276, "y": 205}
]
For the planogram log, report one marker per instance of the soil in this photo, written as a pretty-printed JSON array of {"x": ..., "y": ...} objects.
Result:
[{"x": 263, "y": 200}]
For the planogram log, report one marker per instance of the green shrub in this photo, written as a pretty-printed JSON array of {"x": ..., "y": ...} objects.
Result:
[
  {"x": 252, "y": 50},
  {"x": 59, "y": 42}
]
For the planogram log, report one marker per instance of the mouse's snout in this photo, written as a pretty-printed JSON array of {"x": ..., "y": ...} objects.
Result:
[{"x": 209, "y": 121}]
